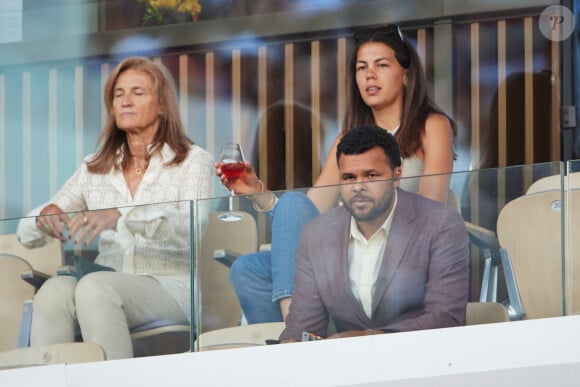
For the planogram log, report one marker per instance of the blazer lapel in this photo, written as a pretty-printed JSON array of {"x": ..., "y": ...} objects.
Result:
[{"x": 399, "y": 237}]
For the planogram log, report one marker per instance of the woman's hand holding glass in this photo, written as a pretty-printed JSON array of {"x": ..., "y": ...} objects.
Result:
[
  {"x": 246, "y": 184},
  {"x": 232, "y": 165}
]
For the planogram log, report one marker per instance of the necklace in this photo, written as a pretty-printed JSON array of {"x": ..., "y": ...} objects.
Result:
[
  {"x": 140, "y": 170},
  {"x": 137, "y": 169}
]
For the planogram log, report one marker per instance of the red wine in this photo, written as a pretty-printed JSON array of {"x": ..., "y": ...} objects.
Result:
[{"x": 233, "y": 170}]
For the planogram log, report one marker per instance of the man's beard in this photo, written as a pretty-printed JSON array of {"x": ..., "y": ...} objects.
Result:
[{"x": 375, "y": 211}]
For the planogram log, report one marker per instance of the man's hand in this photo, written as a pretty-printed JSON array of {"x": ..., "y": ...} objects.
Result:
[{"x": 289, "y": 341}]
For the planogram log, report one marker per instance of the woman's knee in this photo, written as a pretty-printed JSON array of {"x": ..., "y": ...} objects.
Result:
[
  {"x": 294, "y": 207},
  {"x": 239, "y": 270},
  {"x": 56, "y": 294},
  {"x": 250, "y": 267},
  {"x": 94, "y": 287},
  {"x": 57, "y": 288},
  {"x": 292, "y": 201}
]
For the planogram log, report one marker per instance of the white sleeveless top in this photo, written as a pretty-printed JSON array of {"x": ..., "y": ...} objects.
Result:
[
  {"x": 411, "y": 166},
  {"x": 412, "y": 170}
]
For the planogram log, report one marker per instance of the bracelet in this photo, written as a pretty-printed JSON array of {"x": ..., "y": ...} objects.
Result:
[
  {"x": 270, "y": 205},
  {"x": 272, "y": 201},
  {"x": 261, "y": 185}
]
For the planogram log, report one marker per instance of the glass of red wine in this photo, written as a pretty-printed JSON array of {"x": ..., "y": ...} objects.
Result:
[{"x": 232, "y": 159}]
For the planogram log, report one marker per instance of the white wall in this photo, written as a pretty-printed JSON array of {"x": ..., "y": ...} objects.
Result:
[{"x": 524, "y": 353}]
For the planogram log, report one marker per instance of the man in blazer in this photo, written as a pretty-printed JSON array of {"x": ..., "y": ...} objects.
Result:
[{"x": 385, "y": 261}]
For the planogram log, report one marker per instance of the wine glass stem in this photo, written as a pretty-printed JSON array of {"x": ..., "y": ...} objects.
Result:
[{"x": 231, "y": 200}]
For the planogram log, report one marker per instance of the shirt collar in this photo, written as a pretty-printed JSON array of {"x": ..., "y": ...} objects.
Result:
[{"x": 167, "y": 154}]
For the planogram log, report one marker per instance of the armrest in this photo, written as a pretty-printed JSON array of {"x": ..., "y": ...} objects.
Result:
[
  {"x": 37, "y": 278},
  {"x": 482, "y": 237},
  {"x": 514, "y": 304},
  {"x": 66, "y": 270},
  {"x": 225, "y": 257},
  {"x": 34, "y": 278},
  {"x": 25, "y": 325}
]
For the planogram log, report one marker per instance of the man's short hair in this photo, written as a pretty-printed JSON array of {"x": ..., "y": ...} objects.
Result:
[{"x": 363, "y": 138}]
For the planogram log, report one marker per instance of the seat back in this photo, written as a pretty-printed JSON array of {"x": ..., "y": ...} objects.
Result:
[
  {"x": 530, "y": 228},
  {"x": 47, "y": 258},
  {"x": 572, "y": 239},
  {"x": 67, "y": 353},
  {"x": 161, "y": 338},
  {"x": 219, "y": 303},
  {"x": 486, "y": 313},
  {"x": 13, "y": 293},
  {"x": 554, "y": 183},
  {"x": 16, "y": 260}
]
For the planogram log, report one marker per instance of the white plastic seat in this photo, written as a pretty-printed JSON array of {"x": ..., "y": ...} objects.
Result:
[{"x": 240, "y": 336}]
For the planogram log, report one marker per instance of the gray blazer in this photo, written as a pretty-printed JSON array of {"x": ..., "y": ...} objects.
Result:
[{"x": 422, "y": 282}]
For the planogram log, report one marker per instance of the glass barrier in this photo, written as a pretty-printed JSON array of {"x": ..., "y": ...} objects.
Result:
[
  {"x": 505, "y": 211},
  {"x": 572, "y": 186},
  {"x": 271, "y": 75},
  {"x": 133, "y": 269}
]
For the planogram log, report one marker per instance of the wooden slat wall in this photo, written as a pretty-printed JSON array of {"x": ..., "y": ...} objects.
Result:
[
  {"x": 262, "y": 106},
  {"x": 528, "y": 91},
  {"x": 289, "y": 113},
  {"x": 342, "y": 68},
  {"x": 234, "y": 94},
  {"x": 501, "y": 112},
  {"x": 555, "y": 95},
  {"x": 209, "y": 100},
  {"x": 315, "y": 120},
  {"x": 501, "y": 94},
  {"x": 183, "y": 89},
  {"x": 475, "y": 115}
]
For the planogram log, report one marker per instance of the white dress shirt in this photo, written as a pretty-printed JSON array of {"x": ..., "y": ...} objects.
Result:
[{"x": 365, "y": 258}]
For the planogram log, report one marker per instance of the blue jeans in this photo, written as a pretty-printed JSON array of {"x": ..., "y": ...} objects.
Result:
[{"x": 261, "y": 279}]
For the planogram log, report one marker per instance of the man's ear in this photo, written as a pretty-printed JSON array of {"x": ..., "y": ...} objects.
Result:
[{"x": 397, "y": 174}]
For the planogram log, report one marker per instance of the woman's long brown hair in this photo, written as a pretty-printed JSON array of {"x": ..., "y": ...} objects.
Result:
[
  {"x": 170, "y": 131},
  {"x": 417, "y": 105}
]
